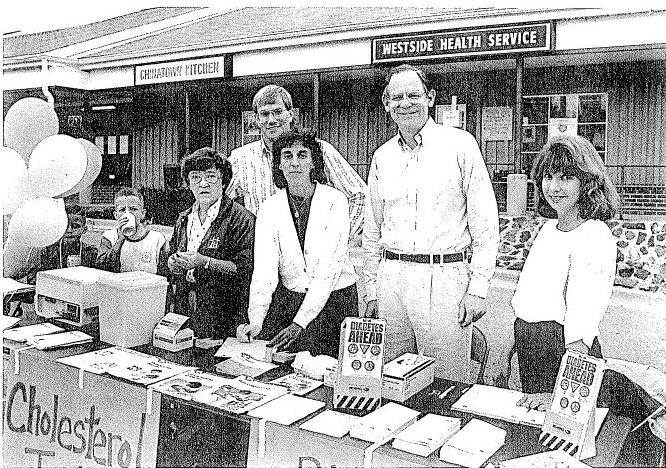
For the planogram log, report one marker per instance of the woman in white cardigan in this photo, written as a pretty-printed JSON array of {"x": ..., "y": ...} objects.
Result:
[{"x": 303, "y": 284}]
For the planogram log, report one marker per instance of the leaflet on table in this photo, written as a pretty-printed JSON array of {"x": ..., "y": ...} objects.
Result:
[
  {"x": 297, "y": 384},
  {"x": 10, "y": 286},
  {"x": 126, "y": 364},
  {"x": 287, "y": 409},
  {"x": 382, "y": 422},
  {"x": 256, "y": 349},
  {"x": 472, "y": 445},
  {"x": 59, "y": 340},
  {"x": 427, "y": 434},
  {"x": 237, "y": 395},
  {"x": 243, "y": 365},
  {"x": 499, "y": 403},
  {"x": 8, "y": 322},
  {"x": 554, "y": 458},
  {"x": 22, "y": 334},
  {"x": 332, "y": 423}
]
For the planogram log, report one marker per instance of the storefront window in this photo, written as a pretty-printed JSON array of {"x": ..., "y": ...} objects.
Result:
[{"x": 571, "y": 114}]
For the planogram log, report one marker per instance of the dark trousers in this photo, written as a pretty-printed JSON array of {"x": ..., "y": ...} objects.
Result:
[
  {"x": 540, "y": 348},
  {"x": 322, "y": 335}
]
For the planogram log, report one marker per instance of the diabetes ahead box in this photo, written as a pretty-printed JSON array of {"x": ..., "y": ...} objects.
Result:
[{"x": 407, "y": 375}]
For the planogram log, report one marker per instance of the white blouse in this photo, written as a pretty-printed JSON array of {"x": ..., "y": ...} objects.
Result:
[
  {"x": 321, "y": 267},
  {"x": 568, "y": 277}
]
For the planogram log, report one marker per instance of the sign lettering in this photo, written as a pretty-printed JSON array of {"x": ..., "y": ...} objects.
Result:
[
  {"x": 184, "y": 70},
  {"x": 500, "y": 40}
]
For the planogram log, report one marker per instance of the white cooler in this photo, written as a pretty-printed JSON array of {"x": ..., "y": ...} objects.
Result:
[{"x": 130, "y": 305}]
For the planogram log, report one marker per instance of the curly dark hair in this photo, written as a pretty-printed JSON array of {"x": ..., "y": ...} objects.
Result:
[
  {"x": 307, "y": 138},
  {"x": 575, "y": 156},
  {"x": 204, "y": 159}
]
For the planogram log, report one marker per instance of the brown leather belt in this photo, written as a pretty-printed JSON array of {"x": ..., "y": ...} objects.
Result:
[{"x": 426, "y": 258}]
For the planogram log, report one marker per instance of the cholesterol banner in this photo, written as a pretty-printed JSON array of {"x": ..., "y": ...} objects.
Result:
[
  {"x": 569, "y": 424},
  {"x": 358, "y": 384},
  {"x": 50, "y": 421}
]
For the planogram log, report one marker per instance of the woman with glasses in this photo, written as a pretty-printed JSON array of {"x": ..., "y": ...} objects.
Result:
[
  {"x": 303, "y": 285},
  {"x": 211, "y": 249}
]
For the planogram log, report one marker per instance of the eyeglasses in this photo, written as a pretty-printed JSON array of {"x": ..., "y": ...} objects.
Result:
[
  {"x": 196, "y": 178},
  {"x": 264, "y": 115},
  {"x": 412, "y": 96}
]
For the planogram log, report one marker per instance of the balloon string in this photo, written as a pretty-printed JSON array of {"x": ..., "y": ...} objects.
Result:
[{"x": 45, "y": 87}]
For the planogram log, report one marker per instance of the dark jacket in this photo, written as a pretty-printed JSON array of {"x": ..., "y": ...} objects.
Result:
[{"x": 221, "y": 299}]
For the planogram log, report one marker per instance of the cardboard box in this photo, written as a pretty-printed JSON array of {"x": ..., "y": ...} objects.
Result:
[
  {"x": 407, "y": 375},
  {"x": 170, "y": 333}
]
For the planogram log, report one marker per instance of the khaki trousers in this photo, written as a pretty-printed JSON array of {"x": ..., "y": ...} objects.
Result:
[{"x": 420, "y": 303}]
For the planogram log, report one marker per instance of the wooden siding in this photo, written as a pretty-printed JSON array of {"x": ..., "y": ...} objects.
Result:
[{"x": 152, "y": 148}]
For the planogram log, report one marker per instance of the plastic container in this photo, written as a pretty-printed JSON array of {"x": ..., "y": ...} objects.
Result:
[
  {"x": 516, "y": 194},
  {"x": 130, "y": 305}
]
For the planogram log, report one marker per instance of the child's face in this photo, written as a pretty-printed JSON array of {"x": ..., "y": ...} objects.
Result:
[
  {"x": 562, "y": 192},
  {"x": 130, "y": 204}
]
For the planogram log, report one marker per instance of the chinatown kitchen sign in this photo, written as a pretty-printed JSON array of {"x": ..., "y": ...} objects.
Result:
[{"x": 464, "y": 42}]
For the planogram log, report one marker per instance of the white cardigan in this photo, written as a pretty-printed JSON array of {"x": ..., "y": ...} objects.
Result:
[{"x": 323, "y": 265}]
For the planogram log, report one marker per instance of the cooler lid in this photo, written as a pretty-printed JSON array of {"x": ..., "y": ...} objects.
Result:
[
  {"x": 77, "y": 274},
  {"x": 132, "y": 280}
]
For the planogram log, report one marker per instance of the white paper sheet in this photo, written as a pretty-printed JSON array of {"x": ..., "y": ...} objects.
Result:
[
  {"x": 256, "y": 349},
  {"x": 22, "y": 334},
  {"x": 499, "y": 403},
  {"x": 297, "y": 384}
]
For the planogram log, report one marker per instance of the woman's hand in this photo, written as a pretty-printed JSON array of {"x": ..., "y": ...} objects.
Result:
[
  {"x": 175, "y": 265},
  {"x": 537, "y": 401},
  {"x": 246, "y": 332},
  {"x": 191, "y": 260},
  {"x": 286, "y": 337},
  {"x": 578, "y": 346}
]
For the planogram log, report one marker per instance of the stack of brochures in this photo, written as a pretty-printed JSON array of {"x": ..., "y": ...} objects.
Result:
[
  {"x": 473, "y": 444},
  {"x": 383, "y": 422},
  {"x": 332, "y": 423},
  {"x": 427, "y": 434},
  {"x": 23, "y": 334},
  {"x": 498, "y": 403},
  {"x": 287, "y": 409}
]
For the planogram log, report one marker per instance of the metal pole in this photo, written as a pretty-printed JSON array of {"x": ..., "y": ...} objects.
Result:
[{"x": 518, "y": 118}]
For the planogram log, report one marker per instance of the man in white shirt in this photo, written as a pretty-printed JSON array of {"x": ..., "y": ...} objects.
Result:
[
  {"x": 430, "y": 201},
  {"x": 252, "y": 163}
]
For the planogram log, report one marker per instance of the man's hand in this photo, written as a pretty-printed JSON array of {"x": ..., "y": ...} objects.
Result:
[
  {"x": 246, "y": 332},
  {"x": 286, "y": 337},
  {"x": 471, "y": 309},
  {"x": 372, "y": 310},
  {"x": 537, "y": 401}
]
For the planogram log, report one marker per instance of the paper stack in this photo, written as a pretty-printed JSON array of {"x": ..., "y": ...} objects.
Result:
[
  {"x": 473, "y": 444},
  {"x": 332, "y": 423},
  {"x": 287, "y": 409},
  {"x": 427, "y": 434},
  {"x": 382, "y": 422},
  {"x": 59, "y": 340},
  {"x": 498, "y": 403}
]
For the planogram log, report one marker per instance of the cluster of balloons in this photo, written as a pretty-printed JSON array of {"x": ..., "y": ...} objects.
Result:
[{"x": 39, "y": 168}]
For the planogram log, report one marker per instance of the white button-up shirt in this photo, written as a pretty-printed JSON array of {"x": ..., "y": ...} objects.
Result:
[
  {"x": 196, "y": 230},
  {"x": 434, "y": 199},
  {"x": 253, "y": 178}
]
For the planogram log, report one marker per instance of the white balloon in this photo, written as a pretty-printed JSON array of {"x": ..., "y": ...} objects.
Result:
[
  {"x": 11, "y": 177},
  {"x": 93, "y": 167},
  {"x": 56, "y": 165},
  {"x": 28, "y": 122},
  {"x": 22, "y": 193},
  {"x": 39, "y": 222}
]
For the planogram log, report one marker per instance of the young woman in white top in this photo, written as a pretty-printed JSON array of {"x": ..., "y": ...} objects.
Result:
[
  {"x": 303, "y": 284},
  {"x": 566, "y": 283}
]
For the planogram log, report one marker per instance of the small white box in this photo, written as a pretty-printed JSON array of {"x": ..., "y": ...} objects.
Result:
[
  {"x": 170, "y": 334},
  {"x": 407, "y": 375},
  {"x": 130, "y": 305}
]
